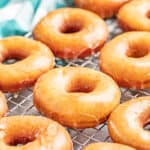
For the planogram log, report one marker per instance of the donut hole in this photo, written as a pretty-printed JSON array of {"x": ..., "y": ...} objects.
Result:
[
  {"x": 11, "y": 59},
  {"x": 21, "y": 136},
  {"x": 145, "y": 120},
  {"x": 137, "y": 52},
  {"x": 20, "y": 141},
  {"x": 148, "y": 14},
  {"x": 147, "y": 127},
  {"x": 70, "y": 27},
  {"x": 81, "y": 86}
]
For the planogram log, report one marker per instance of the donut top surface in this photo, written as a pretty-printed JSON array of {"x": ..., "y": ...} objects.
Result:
[
  {"x": 76, "y": 97},
  {"x": 107, "y": 146},
  {"x": 104, "y": 8},
  {"x": 128, "y": 121},
  {"x": 72, "y": 32},
  {"x": 126, "y": 58},
  {"x": 134, "y": 16},
  {"x": 34, "y": 58},
  {"x": 32, "y": 132}
]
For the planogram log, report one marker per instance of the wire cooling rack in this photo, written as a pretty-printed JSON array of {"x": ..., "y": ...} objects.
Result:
[{"x": 21, "y": 103}]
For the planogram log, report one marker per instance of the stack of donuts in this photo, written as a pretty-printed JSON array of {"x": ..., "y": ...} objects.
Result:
[{"x": 78, "y": 97}]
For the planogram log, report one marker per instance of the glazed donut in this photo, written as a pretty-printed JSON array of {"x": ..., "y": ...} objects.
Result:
[
  {"x": 72, "y": 32},
  {"x": 35, "y": 59},
  {"x": 135, "y": 16},
  {"x": 107, "y": 146},
  {"x": 127, "y": 60},
  {"x": 3, "y": 105},
  {"x": 76, "y": 97},
  {"x": 104, "y": 8},
  {"x": 126, "y": 124},
  {"x": 36, "y": 133}
]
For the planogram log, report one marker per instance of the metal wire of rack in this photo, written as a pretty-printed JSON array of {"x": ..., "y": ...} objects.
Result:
[{"x": 21, "y": 103}]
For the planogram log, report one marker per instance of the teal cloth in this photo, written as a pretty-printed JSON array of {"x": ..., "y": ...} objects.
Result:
[{"x": 18, "y": 17}]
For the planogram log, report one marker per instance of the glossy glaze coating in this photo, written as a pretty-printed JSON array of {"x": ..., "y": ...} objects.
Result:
[
  {"x": 3, "y": 105},
  {"x": 104, "y": 8},
  {"x": 107, "y": 146},
  {"x": 34, "y": 60},
  {"x": 35, "y": 133},
  {"x": 127, "y": 60},
  {"x": 126, "y": 124},
  {"x": 135, "y": 16},
  {"x": 72, "y": 32},
  {"x": 76, "y": 97}
]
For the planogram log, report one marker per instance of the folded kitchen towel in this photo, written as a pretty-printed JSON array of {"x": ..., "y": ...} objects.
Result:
[{"x": 18, "y": 17}]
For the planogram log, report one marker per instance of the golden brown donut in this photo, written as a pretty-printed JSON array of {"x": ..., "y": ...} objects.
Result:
[
  {"x": 34, "y": 133},
  {"x": 35, "y": 59},
  {"x": 127, "y": 60},
  {"x": 107, "y": 146},
  {"x": 126, "y": 124},
  {"x": 3, "y": 105},
  {"x": 76, "y": 97},
  {"x": 104, "y": 8},
  {"x": 135, "y": 16},
  {"x": 72, "y": 32}
]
